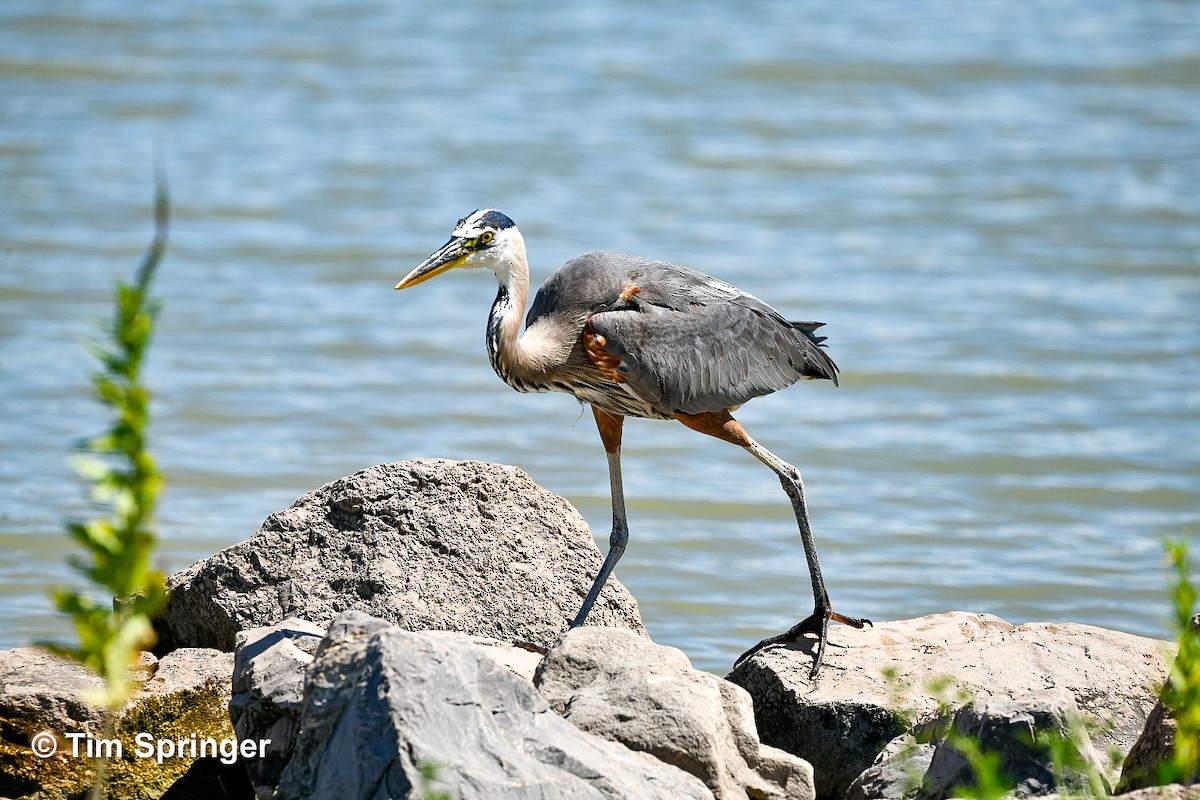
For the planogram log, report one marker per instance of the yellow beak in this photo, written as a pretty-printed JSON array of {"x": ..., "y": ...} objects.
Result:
[{"x": 451, "y": 255}]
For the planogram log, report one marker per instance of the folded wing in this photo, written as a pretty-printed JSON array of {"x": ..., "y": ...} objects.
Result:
[{"x": 691, "y": 344}]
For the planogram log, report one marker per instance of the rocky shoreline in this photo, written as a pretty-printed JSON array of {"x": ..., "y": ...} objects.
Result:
[{"x": 366, "y": 634}]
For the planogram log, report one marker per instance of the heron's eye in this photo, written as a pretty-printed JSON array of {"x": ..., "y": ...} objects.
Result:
[{"x": 486, "y": 237}]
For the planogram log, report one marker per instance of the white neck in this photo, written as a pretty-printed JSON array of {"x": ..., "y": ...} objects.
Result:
[{"x": 521, "y": 367}]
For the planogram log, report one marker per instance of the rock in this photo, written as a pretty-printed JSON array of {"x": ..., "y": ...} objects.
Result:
[
  {"x": 843, "y": 719},
  {"x": 185, "y": 669},
  {"x": 896, "y": 773},
  {"x": 39, "y": 692},
  {"x": 1173, "y": 791},
  {"x": 45, "y": 690},
  {"x": 623, "y": 687},
  {"x": 268, "y": 686},
  {"x": 268, "y": 693},
  {"x": 186, "y": 694},
  {"x": 428, "y": 544},
  {"x": 381, "y": 703},
  {"x": 515, "y": 659},
  {"x": 1017, "y": 732},
  {"x": 1154, "y": 746}
]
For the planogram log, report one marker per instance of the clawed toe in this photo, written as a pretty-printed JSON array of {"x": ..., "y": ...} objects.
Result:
[{"x": 853, "y": 622}]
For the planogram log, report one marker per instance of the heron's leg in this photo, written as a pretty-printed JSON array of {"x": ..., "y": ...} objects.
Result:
[
  {"x": 723, "y": 426},
  {"x": 610, "y": 434}
]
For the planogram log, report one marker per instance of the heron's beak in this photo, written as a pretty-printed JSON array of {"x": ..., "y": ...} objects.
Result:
[{"x": 450, "y": 256}]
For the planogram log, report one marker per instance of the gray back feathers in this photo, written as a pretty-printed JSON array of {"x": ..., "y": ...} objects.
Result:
[{"x": 686, "y": 342}]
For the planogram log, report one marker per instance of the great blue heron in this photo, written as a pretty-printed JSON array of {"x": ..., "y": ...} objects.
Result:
[{"x": 639, "y": 338}]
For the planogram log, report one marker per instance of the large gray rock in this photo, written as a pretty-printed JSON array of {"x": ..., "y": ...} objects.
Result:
[
  {"x": 624, "y": 687},
  {"x": 428, "y": 544},
  {"x": 268, "y": 687},
  {"x": 381, "y": 702},
  {"x": 840, "y": 721}
]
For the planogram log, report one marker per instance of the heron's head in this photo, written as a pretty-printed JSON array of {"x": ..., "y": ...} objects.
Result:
[{"x": 484, "y": 238}]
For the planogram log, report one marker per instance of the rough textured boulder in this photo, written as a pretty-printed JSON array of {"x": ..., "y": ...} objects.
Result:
[
  {"x": 1154, "y": 746},
  {"x": 268, "y": 687},
  {"x": 843, "y": 719},
  {"x": 185, "y": 693},
  {"x": 427, "y": 544},
  {"x": 381, "y": 702},
  {"x": 648, "y": 697}
]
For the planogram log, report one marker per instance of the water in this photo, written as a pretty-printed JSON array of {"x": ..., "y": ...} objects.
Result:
[{"x": 995, "y": 210}]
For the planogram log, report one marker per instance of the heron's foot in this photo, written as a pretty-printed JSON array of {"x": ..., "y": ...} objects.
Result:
[
  {"x": 532, "y": 647},
  {"x": 818, "y": 623}
]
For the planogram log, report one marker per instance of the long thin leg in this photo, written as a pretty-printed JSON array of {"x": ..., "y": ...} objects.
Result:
[
  {"x": 723, "y": 426},
  {"x": 609, "y": 426}
]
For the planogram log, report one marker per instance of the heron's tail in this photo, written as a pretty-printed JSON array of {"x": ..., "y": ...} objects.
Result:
[{"x": 818, "y": 365}]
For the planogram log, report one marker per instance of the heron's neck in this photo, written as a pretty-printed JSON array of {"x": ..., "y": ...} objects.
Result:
[{"x": 514, "y": 363}]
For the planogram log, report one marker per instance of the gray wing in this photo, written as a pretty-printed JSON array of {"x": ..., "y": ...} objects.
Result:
[{"x": 685, "y": 342}]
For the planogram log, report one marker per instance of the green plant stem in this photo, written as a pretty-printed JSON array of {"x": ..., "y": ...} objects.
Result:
[
  {"x": 118, "y": 548},
  {"x": 100, "y": 779}
]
